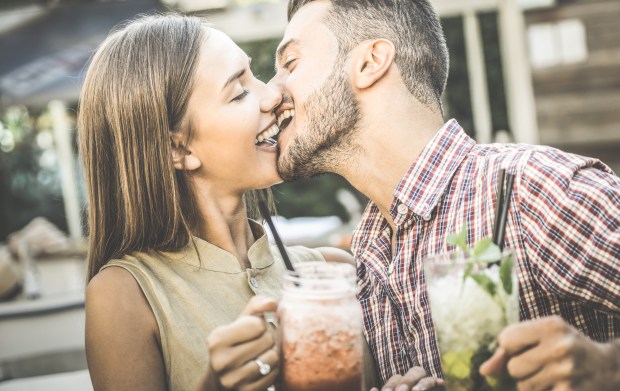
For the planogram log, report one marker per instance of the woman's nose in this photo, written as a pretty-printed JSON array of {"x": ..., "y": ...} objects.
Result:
[
  {"x": 277, "y": 82},
  {"x": 271, "y": 99}
]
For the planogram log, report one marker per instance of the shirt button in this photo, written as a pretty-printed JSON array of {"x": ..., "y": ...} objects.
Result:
[
  {"x": 427, "y": 217},
  {"x": 254, "y": 283},
  {"x": 402, "y": 209}
]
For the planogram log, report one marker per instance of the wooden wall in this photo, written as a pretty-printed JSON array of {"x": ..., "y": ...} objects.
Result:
[{"x": 578, "y": 105}]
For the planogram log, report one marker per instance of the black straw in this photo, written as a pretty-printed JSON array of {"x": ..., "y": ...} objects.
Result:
[
  {"x": 498, "y": 204},
  {"x": 265, "y": 212},
  {"x": 501, "y": 208},
  {"x": 501, "y": 235}
]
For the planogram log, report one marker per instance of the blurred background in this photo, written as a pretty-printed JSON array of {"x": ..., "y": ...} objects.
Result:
[{"x": 532, "y": 71}]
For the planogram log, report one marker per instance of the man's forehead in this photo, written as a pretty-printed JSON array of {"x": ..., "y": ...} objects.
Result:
[{"x": 306, "y": 20}]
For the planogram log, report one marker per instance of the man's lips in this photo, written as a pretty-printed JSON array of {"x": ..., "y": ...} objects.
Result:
[{"x": 286, "y": 104}]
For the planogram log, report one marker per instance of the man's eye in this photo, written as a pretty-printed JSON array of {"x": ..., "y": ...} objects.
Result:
[
  {"x": 241, "y": 96},
  {"x": 288, "y": 63}
]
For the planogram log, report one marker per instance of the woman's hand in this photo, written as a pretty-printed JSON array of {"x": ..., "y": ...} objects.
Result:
[{"x": 239, "y": 350}]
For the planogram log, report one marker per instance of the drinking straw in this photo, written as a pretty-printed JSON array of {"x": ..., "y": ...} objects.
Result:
[
  {"x": 265, "y": 212},
  {"x": 504, "y": 215},
  {"x": 499, "y": 202}
]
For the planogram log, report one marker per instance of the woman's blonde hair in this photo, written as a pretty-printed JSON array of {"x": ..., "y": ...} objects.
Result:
[{"x": 135, "y": 93}]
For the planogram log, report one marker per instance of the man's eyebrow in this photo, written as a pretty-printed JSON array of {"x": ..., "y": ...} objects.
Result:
[{"x": 283, "y": 48}]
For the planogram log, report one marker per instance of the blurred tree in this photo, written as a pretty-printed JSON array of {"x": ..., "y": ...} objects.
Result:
[
  {"x": 29, "y": 177},
  {"x": 456, "y": 99},
  {"x": 495, "y": 74},
  {"x": 263, "y": 57},
  {"x": 4, "y": 199}
]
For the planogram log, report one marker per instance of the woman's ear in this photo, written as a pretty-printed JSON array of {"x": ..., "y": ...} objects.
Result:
[
  {"x": 373, "y": 61},
  {"x": 182, "y": 157}
]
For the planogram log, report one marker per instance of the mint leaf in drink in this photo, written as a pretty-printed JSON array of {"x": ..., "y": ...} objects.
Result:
[
  {"x": 483, "y": 252},
  {"x": 505, "y": 274},
  {"x": 487, "y": 251},
  {"x": 459, "y": 239},
  {"x": 467, "y": 271},
  {"x": 485, "y": 283},
  {"x": 482, "y": 246}
]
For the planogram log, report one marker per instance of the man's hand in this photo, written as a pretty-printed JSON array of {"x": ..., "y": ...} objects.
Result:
[
  {"x": 548, "y": 354},
  {"x": 415, "y": 379},
  {"x": 234, "y": 349}
]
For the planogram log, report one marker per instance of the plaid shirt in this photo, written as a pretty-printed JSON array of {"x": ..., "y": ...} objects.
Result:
[{"x": 563, "y": 225}]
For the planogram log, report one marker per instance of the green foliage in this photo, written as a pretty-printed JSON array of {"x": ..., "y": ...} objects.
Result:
[
  {"x": 457, "y": 99},
  {"x": 314, "y": 197},
  {"x": 494, "y": 70},
  {"x": 505, "y": 273},
  {"x": 263, "y": 57},
  {"x": 483, "y": 254},
  {"x": 29, "y": 178},
  {"x": 485, "y": 283}
]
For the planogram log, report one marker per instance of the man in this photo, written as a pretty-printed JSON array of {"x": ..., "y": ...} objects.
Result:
[{"x": 362, "y": 82}]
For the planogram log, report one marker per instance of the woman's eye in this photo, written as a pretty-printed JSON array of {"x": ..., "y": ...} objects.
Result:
[{"x": 241, "y": 96}]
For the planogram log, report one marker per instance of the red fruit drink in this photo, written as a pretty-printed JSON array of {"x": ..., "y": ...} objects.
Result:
[{"x": 321, "y": 329}]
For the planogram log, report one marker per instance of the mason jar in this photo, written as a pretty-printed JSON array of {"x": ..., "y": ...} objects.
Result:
[{"x": 320, "y": 325}]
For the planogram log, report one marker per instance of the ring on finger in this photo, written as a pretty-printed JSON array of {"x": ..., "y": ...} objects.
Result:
[{"x": 263, "y": 367}]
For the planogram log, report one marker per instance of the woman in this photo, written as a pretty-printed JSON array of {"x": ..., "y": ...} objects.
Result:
[{"x": 170, "y": 122}]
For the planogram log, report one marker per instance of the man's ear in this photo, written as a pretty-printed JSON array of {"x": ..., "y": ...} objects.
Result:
[
  {"x": 182, "y": 157},
  {"x": 373, "y": 61}
]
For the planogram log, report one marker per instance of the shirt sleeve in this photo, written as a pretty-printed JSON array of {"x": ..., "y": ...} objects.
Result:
[{"x": 570, "y": 214}]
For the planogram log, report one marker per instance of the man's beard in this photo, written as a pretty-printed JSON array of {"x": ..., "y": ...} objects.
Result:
[{"x": 332, "y": 115}]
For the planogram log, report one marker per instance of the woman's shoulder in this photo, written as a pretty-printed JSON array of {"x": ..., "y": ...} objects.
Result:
[
  {"x": 114, "y": 289},
  {"x": 120, "y": 329},
  {"x": 114, "y": 296},
  {"x": 151, "y": 261}
]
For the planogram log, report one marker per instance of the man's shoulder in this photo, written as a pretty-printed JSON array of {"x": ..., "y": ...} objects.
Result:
[{"x": 525, "y": 159}]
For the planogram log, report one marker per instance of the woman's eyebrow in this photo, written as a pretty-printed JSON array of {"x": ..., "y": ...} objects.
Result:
[
  {"x": 234, "y": 77},
  {"x": 237, "y": 75}
]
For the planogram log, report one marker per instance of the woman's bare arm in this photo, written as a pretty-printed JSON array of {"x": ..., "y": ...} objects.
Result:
[
  {"x": 334, "y": 254},
  {"x": 122, "y": 336}
]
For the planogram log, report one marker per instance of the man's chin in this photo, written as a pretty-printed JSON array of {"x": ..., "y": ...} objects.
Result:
[
  {"x": 286, "y": 173},
  {"x": 288, "y": 170}
]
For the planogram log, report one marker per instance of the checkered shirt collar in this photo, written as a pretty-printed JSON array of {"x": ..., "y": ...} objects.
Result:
[{"x": 422, "y": 186}]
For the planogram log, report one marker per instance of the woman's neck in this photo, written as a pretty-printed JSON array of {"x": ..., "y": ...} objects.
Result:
[{"x": 224, "y": 223}]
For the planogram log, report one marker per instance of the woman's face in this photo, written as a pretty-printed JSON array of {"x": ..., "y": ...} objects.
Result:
[{"x": 229, "y": 110}]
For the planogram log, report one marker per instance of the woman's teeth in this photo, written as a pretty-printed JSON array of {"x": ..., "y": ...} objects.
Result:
[
  {"x": 285, "y": 115},
  {"x": 267, "y": 134}
]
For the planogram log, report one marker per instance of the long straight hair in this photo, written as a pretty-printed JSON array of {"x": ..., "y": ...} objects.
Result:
[{"x": 136, "y": 91}]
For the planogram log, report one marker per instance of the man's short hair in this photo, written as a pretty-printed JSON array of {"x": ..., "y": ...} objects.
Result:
[{"x": 411, "y": 25}]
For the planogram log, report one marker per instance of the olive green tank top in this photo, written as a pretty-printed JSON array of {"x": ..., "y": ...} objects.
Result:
[{"x": 199, "y": 288}]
